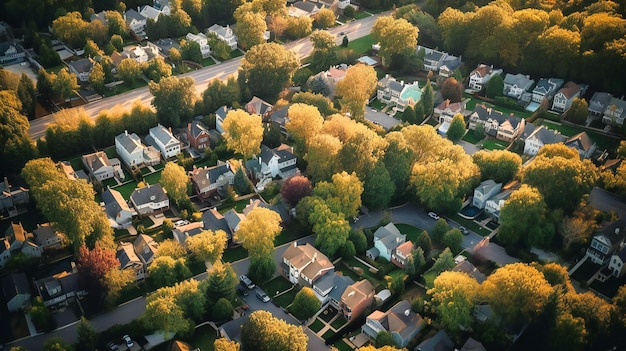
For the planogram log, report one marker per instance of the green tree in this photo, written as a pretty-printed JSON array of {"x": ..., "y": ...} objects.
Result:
[
  {"x": 457, "y": 128},
  {"x": 114, "y": 281},
  {"x": 383, "y": 339},
  {"x": 174, "y": 99},
  {"x": 129, "y": 70},
  {"x": 15, "y": 144},
  {"x": 243, "y": 132},
  {"x": 166, "y": 271},
  {"x": 96, "y": 77},
  {"x": 305, "y": 304},
  {"x": 220, "y": 283},
  {"x": 494, "y": 87},
  {"x": 453, "y": 239},
  {"x": 358, "y": 238},
  {"x": 241, "y": 183},
  {"x": 163, "y": 314},
  {"x": 441, "y": 227},
  {"x": 219, "y": 48},
  {"x": 266, "y": 69},
  {"x": 325, "y": 18},
  {"x": 444, "y": 262},
  {"x": 65, "y": 84},
  {"x": 331, "y": 229},
  {"x": 250, "y": 29},
  {"x": 87, "y": 336},
  {"x": 117, "y": 24},
  {"x": 423, "y": 240},
  {"x": 349, "y": 12},
  {"x": 41, "y": 316},
  {"x": 578, "y": 111},
  {"x": 28, "y": 96},
  {"x": 174, "y": 180},
  {"x": 409, "y": 115},
  {"x": 398, "y": 162},
  {"x": 44, "y": 84},
  {"x": 190, "y": 50},
  {"x": 428, "y": 99},
  {"x": 355, "y": 88},
  {"x": 500, "y": 165},
  {"x": 222, "y": 310},
  {"x": 264, "y": 332},
  {"x": 156, "y": 69},
  {"x": 394, "y": 37},
  {"x": 454, "y": 295},
  {"x": 378, "y": 188},
  {"x": 522, "y": 217},
  {"x": 262, "y": 268}
]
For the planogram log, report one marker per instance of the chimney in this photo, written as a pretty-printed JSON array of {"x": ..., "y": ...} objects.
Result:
[
  {"x": 189, "y": 126},
  {"x": 125, "y": 132},
  {"x": 314, "y": 257},
  {"x": 170, "y": 129}
]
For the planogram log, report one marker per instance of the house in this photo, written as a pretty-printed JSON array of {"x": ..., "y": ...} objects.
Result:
[
  {"x": 150, "y": 12},
  {"x": 146, "y": 249},
  {"x": 495, "y": 203},
  {"x": 409, "y": 96},
  {"x": 165, "y": 141},
  {"x": 542, "y": 136},
  {"x": 164, "y": 45},
  {"x": 330, "y": 287},
  {"x": 606, "y": 242},
  {"x": 213, "y": 220},
  {"x": 386, "y": 240},
  {"x": 481, "y": 75},
  {"x": 58, "y": 288},
  {"x": 583, "y": 144},
  {"x": 178, "y": 345},
  {"x": 401, "y": 254},
  {"x": 336, "y": 74},
  {"x": 224, "y": 33},
  {"x": 564, "y": 97},
  {"x": 220, "y": 116},
  {"x": 279, "y": 117},
  {"x": 465, "y": 266},
  {"x": 12, "y": 196},
  {"x": 133, "y": 153},
  {"x": 402, "y": 323},
  {"x": 5, "y": 251},
  {"x": 21, "y": 240},
  {"x": 185, "y": 231},
  {"x": 71, "y": 174},
  {"x": 473, "y": 345},
  {"x": 446, "y": 110},
  {"x": 207, "y": 180},
  {"x": 517, "y": 84},
  {"x": 356, "y": 298},
  {"x": 439, "y": 342},
  {"x": 46, "y": 237},
  {"x": 510, "y": 128},
  {"x": 546, "y": 88},
  {"x": 615, "y": 112},
  {"x": 116, "y": 208},
  {"x": 129, "y": 261},
  {"x": 100, "y": 167},
  {"x": 16, "y": 290},
  {"x": 100, "y": 16},
  {"x": 162, "y": 5},
  {"x": 617, "y": 264},
  {"x": 303, "y": 9},
  {"x": 598, "y": 103},
  {"x": 282, "y": 211},
  {"x": 433, "y": 59},
  {"x": 202, "y": 40},
  {"x": 11, "y": 52},
  {"x": 272, "y": 163},
  {"x": 136, "y": 21},
  {"x": 484, "y": 192},
  {"x": 141, "y": 54},
  {"x": 258, "y": 106},
  {"x": 388, "y": 90},
  {"x": 495, "y": 123},
  {"x": 449, "y": 65},
  {"x": 304, "y": 264},
  {"x": 197, "y": 135},
  {"x": 81, "y": 68},
  {"x": 233, "y": 218},
  {"x": 150, "y": 200}
]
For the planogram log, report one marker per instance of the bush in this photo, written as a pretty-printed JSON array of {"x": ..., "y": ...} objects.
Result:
[
  {"x": 508, "y": 103},
  {"x": 305, "y": 304},
  {"x": 222, "y": 310}
]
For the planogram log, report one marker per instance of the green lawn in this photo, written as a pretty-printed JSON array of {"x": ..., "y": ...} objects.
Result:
[
  {"x": 203, "y": 338},
  {"x": 410, "y": 231},
  {"x": 292, "y": 232},
  {"x": 396, "y": 273},
  {"x": 316, "y": 326},
  {"x": 277, "y": 285},
  {"x": 471, "y": 225},
  {"x": 328, "y": 334},
  {"x": 122, "y": 88},
  {"x": 126, "y": 189},
  {"x": 602, "y": 141},
  {"x": 236, "y": 53},
  {"x": 286, "y": 299},
  {"x": 339, "y": 322},
  {"x": 495, "y": 144},
  {"x": 366, "y": 273},
  {"x": 342, "y": 346},
  {"x": 473, "y": 102},
  {"x": 207, "y": 62},
  {"x": 235, "y": 254},
  {"x": 362, "y": 45},
  {"x": 361, "y": 14},
  {"x": 429, "y": 279},
  {"x": 470, "y": 137},
  {"x": 153, "y": 178},
  {"x": 347, "y": 272},
  {"x": 378, "y": 104}
]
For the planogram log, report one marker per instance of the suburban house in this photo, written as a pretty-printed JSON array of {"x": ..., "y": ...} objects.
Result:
[
  {"x": 615, "y": 112},
  {"x": 202, "y": 40},
  {"x": 207, "y": 180},
  {"x": 606, "y": 242},
  {"x": 402, "y": 323},
  {"x": 598, "y": 103},
  {"x": 496, "y": 124},
  {"x": 70, "y": 173},
  {"x": 146, "y": 249},
  {"x": 546, "y": 87},
  {"x": 433, "y": 59},
  {"x": 272, "y": 163},
  {"x": 542, "y": 136},
  {"x": 141, "y": 54},
  {"x": 136, "y": 21},
  {"x": 303, "y": 9},
  {"x": 517, "y": 84},
  {"x": 197, "y": 135},
  {"x": 214, "y": 220},
  {"x": 133, "y": 153},
  {"x": 583, "y": 144},
  {"x": 487, "y": 189},
  {"x": 617, "y": 264},
  {"x": 304, "y": 264},
  {"x": 81, "y": 68},
  {"x": 100, "y": 167},
  {"x": 153, "y": 13},
  {"x": 116, "y": 208},
  {"x": 258, "y": 106},
  {"x": 473, "y": 345},
  {"x": 233, "y": 218},
  {"x": 279, "y": 117},
  {"x": 129, "y": 260},
  {"x": 336, "y": 74},
  {"x": 12, "y": 196},
  {"x": 164, "y": 45},
  {"x": 165, "y": 141},
  {"x": 162, "y": 5},
  {"x": 224, "y": 33},
  {"x": 481, "y": 75},
  {"x": 356, "y": 298},
  {"x": 386, "y": 240},
  {"x": 58, "y": 288},
  {"x": 449, "y": 65},
  {"x": 149, "y": 200},
  {"x": 185, "y": 231},
  {"x": 401, "y": 254},
  {"x": 220, "y": 116},
  {"x": 446, "y": 110},
  {"x": 11, "y": 52},
  {"x": 495, "y": 203},
  {"x": 564, "y": 97},
  {"x": 17, "y": 292},
  {"x": 330, "y": 287},
  {"x": 465, "y": 266},
  {"x": 389, "y": 89},
  {"x": 409, "y": 96},
  {"x": 439, "y": 342},
  {"x": 16, "y": 238},
  {"x": 46, "y": 237},
  {"x": 5, "y": 251}
]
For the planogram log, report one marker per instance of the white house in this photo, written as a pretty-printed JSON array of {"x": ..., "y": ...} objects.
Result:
[
  {"x": 495, "y": 203},
  {"x": 617, "y": 264},
  {"x": 201, "y": 39},
  {"x": 152, "y": 13},
  {"x": 481, "y": 75},
  {"x": 207, "y": 180},
  {"x": 517, "y": 84},
  {"x": 386, "y": 240},
  {"x": 400, "y": 321},
  {"x": 133, "y": 153},
  {"x": 615, "y": 112},
  {"x": 17, "y": 292},
  {"x": 389, "y": 89},
  {"x": 136, "y": 21},
  {"x": 304, "y": 264},
  {"x": 433, "y": 59},
  {"x": 272, "y": 163},
  {"x": 116, "y": 208},
  {"x": 165, "y": 141},
  {"x": 100, "y": 167},
  {"x": 546, "y": 88},
  {"x": 542, "y": 136},
  {"x": 46, "y": 237},
  {"x": 606, "y": 242},
  {"x": 583, "y": 144},
  {"x": 224, "y": 33},
  {"x": 81, "y": 68},
  {"x": 484, "y": 192},
  {"x": 564, "y": 97},
  {"x": 149, "y": 200}
]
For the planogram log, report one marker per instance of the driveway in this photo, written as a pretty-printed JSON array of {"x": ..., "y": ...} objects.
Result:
[{"x": 380, "y": 118}]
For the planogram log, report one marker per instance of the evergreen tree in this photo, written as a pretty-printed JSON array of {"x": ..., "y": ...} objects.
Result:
[{"x": 241, "y": 183}]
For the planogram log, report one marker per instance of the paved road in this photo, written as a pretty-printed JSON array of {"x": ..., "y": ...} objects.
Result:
[{"x": 202, "y": 77}]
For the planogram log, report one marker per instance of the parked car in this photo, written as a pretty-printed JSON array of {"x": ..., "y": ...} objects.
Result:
[
  {"x": 262, "y": 295},
  {"x": 111, "y": 346},
  {"x": 129, "y": 342},
  {"x": 463, "y": 230},
  {"x": 246, "y": 281},
  {"x": 181, "y": 223},
  {"x": 433, "y": 215}
]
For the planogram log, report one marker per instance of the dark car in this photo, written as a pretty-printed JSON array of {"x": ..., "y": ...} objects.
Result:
[
  {"x": 241, "y": 290},
  {"x": 112, "y": 346}
]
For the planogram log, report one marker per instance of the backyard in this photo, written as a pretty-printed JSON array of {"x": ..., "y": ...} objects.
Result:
[
  {"x": 602, "y": 141},
  {"x": 492, "y": 144},
  {"x": 410, "y": 231}
]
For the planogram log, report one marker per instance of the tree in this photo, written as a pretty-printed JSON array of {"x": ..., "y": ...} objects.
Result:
[
  {"x": 117, "y": 42},
  {"x": 250, "y": 30},
  {"x": 220, "y": 283},
  {"x": 521, "y": 218},
  {"x": 500, "y": 165},
  {"x": 321, "y": 157},
  {"x": 95, "y": 264},
  {"x": 325, "y": 18},
  {"x": 175, "y": 55},
  {"x": 87, "y": 336},
  {"x": 409, "y": 115},
  {"x": 71, "y": 28},
  {"x": 208, "y": 245},
  {"x": 295, "y": 188},
  {"x": 174, "y": 99},
  {"x": 457, "y": 128},
  {"x": 305, "y": 121},
  {"x": 578, "y": 111},
  {"x": 349, "y": 12},
  {"x": 454, "y": 295},
  {"x": 358, "y": 238},
  {"x": 398, "y": 161},
  {"x": 96, "y": 77},
  {"x": 266, "y": 69},
  {"x": 222, "y": 310},
  {"x": 575, "y": 230},
  {"x": 441, "y": 227},
  {"x": 262, "y": 268},
  {"x": 444, "y": 262},
  {"x": 41, "y": 316},
  {"x": 428, "y": 99},
  {"x": 28, "y": 96},
  {"x": 241, "y": 183},
  {"x": 129, "y": 70},
  {"x": 356, "y": 88},
  {"x": 556, "y": 275},
  {"x": 299, "y": 27},
  {"x": 372, "y": 347},
  {"x": 174, "y": 180},
  {"x": 243, "y": 132},
  {"x": 305, "y": 304},
  {"x": 494, "y": 87},
  {"x": 223, "y": 344},
  {"x": 264, "y": 332},
  {"x": 157, "y": 69},
  {"x": 65, "y": 84},
  {"x": 343, "y": 194},
  {"x": 172, "y": 248},
  {"x": 190, "y": 50},
  {"x": 415, "y": 262},
  {"x": 423, "y": 241},
  {"x": 117, "y": 24},
  {"x": 331, "y": 228},
  {"x": 219, "y": 48},
  {"x": 92, "y": 49},
  {"x": 258, "y": 230},
  {"x": 115, "y": 280},
  {"x": 383, "y": 338},
  {"x": 394, "y": 37},
  {"x": 166, "y": 271},
  {"x": 517, "y": 292},
  {"x": 378, "y": 188},
  {"x": 163, "y": 314},
  {"x": 453, "y": 239},
  {"x": 57, "y": 344},
  {"x": 452, "y": 90},
  {"x": 15, "y": 144}
]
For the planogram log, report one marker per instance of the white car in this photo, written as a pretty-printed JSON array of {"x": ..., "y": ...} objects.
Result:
[
  {"x": 262, "y": 295},
  {"x": 433, "y": 215},
  {"x": 181, "y": 223},
  {"x": 129, "y": 342},
  {"x": 246, "y": 281}
]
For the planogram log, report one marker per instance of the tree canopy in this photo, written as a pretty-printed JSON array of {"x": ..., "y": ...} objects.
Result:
[
  {"x": 264, "y": 332},
  {"x": 454, "y": 295},
  {"x": 266, "y": 69},
  {"x": 243, "y": 132},
  {"x": 174, "y": 99},
  {"x": 356, "y": 88},
  {"x": 258, "y": 230}
]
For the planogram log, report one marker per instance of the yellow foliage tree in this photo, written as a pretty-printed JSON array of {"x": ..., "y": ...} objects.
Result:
[
  {"x": 243, "y": 132},
  {"x": 258, "y": 230},
  {"x": 356, "y": 88}
]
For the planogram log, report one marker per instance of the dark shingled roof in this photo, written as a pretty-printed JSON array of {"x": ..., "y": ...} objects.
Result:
[{"x": 15, "y": 284}]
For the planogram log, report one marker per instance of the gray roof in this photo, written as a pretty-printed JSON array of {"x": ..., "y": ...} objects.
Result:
[
  {"x": 487, "y": 185},
  {"x": 280, "y": 116},
  {"x": 466, "y": 266},
  {"x": 395, "y": 85},
  {"x": 390, "y": 236},
  {"x": 100, "y": 16},
  {"x": 549, "y": 136},
  {"x": 622, "y": 254},
  {"x": 473, "y": 345},
  {"x": 614, "y": 231},
  {"x": 166, "y": 44},
  {"x": 162, "y": 134},
  {"x": 599, "y": 102},
  {"x": 452, "y": 62},
  {"x": 130, "y": 142},
  {"x": 619, "y": 103},
  {"x": 196, "y": 128},
  {"x": 148, "y": 194},
  {"x": 223, "y": 32},
  {"x": 145, "y": 247},
  {"x": 82, "y": 66},
  {"x": 342, "y": 282},
  {"x": 204, "y": 177},
  {"x": 305, "y": 6},
  {"x": 43, "y": 232},
  {"x": 548, "y": 86},
  {"x": 15, "y": 284},
  {"x": 232, "y": 218},
  {"x": 132, "y": 14},
  {"x": 113, "y": 202},
  {"x": 439, "y": 342},
  {"x": 258, "y": 106},
  {"x": 126, "y": 254},
  {"x": 529, "y": 128},
  {"x": 215, "y": 221},
  {"x": 222, "y": 111},
  {"x": 580, "y": 141},
  {"x": 434, "y": 55}
]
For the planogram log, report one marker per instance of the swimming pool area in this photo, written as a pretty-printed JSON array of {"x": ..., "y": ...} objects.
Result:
[{"x": 470, "y": 212}]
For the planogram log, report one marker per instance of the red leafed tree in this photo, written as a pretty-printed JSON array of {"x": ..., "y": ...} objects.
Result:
[
  {"x": 95, "y": 264},
  {"x": 451, "y": 89},
  {"x": 295, "y": 188}
]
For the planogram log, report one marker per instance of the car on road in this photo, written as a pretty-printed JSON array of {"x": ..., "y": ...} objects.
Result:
[
  {"x": 262, "y": 295},
  {"x": 463, "y": 230},
  {"x": 246, "y": 281},
  {"x": 433, "y": 215},
  {"x": 129, "y": 342}
]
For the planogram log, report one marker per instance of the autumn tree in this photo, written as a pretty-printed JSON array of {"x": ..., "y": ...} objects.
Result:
[
  {"x": 95, "y": 264},
  {"x": 174, "y": 180},
  {"x": 258, "y": 230},
  {"x": 575, "y": 229},
  {"x": 16, "y": 148},
  {"x": 65, "y": 84},
  {"x": 323, "y": 104},
  {"x": 452, "y": 90},
  {"x": 373, "y": 348},
  {"x": 264, "y": 332},
  {"x": 457, "y": 128},
  {"x": 28, "y": 96},
  {"x": 578, "y": 111},
  {"x": 117, "y": 24},
  {"x": 394, "y": 37},
  {"x": 172, "y": 248},
  {"x": 325, "y": 18},
  {"x": 220, "y": 283},
  {"x": 454, "y": 295},
  {"x": 71, "y": 28},
  {"x": 57, "y": 344},
  {"x": 115, "y": 280},
  {"x": 250, "y": 30},
  {"x": 556, "y": 275},
  {"x": 343, "y": 194},
  {"x": 129, "y": 70},
  {"x": 500, "y": 165},
  {"x": 331, "y": 228},
  {"x": 305, "y": 121},
  {"x": 190, "y": 50},
  {"x": 299, "y": 27},
  {"x": 356, "y": 88},
  {"x": 522, "y": 219},
  {"x": 163, "y": 314},
  {"x": 96, "y": 77},
  {"x": 321, "y": 157},
  {"x": 266, "y": 69},
  {"x": 207, "y": 245},
  {"x": 156, "y": 69},
  {"x": 223, "y": 344},
  {"x": 243, "y": 132},
  {"x": 295, "y": 188},
  {"x": 305, "y": 304},
  {"x": 174, "y": 99}
]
